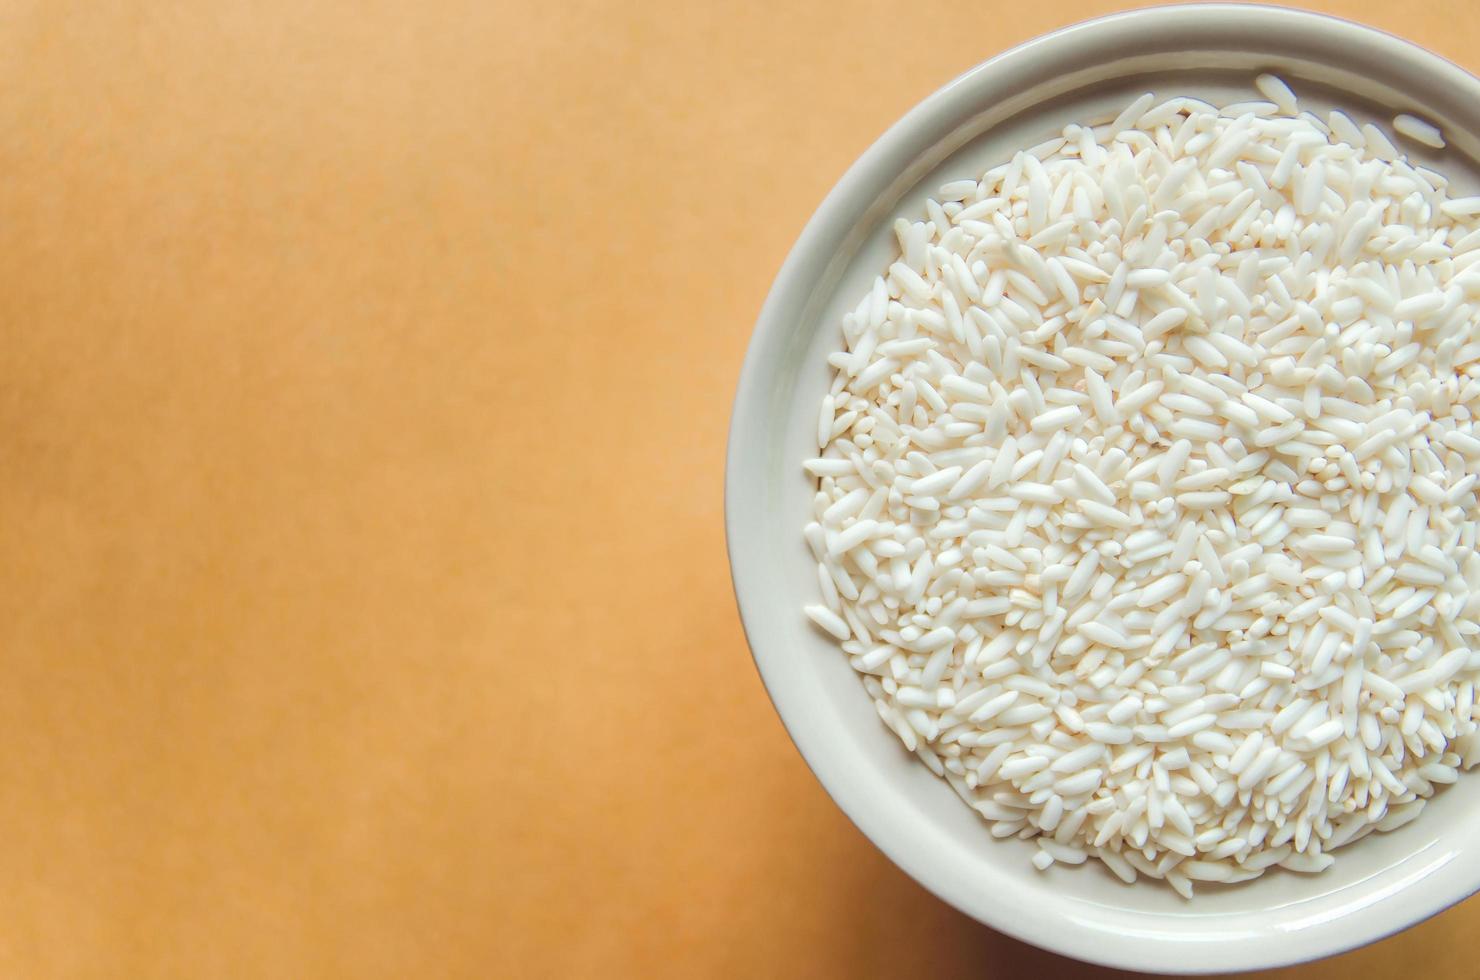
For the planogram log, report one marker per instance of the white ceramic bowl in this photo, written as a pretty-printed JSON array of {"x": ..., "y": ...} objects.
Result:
[{"x": 1379, "y": 885}]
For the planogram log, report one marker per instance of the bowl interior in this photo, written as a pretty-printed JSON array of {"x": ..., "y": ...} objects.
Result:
[{"x": 1378, "y": 885}]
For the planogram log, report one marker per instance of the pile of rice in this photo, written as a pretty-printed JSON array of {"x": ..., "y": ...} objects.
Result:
[{"x": 1146, "y": 503}]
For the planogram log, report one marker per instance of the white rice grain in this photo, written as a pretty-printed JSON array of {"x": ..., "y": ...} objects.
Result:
[
  {"x": 1275, "y": 90},
  {"x": 1418, "y": 130}
]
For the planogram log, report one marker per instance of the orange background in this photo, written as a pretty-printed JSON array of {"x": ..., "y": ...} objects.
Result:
[{"x": 364, "y": 377}]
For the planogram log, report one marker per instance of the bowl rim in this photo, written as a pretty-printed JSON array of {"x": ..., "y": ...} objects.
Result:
[{"x": 791, "y": 293}]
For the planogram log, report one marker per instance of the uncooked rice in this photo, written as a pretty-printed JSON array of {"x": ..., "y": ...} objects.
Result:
[
  {"x": 1418, "y": 130},
  {"x": 1146, "y": 489}
]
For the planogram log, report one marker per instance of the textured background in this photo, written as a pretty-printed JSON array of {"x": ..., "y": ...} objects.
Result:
[{"x": 364, "y": 376}]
